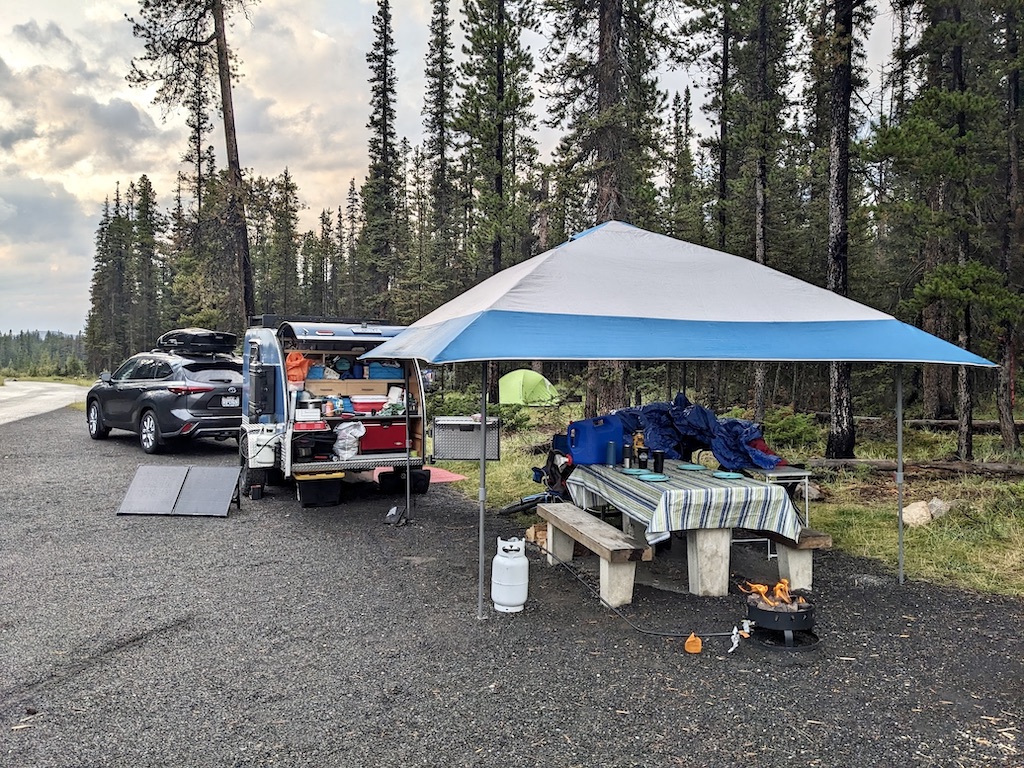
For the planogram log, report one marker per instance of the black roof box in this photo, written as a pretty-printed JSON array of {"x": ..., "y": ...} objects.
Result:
[{"x": 197, "y": 341}]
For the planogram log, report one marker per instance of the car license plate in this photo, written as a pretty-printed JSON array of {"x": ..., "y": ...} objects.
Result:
[{"x": 229, "y": 401}]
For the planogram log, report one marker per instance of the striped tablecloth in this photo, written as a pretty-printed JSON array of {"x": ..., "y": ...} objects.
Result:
[{"x": 688, "y": 500}]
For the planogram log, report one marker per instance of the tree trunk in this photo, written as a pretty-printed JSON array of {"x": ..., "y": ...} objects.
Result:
[
  {"x": 236, "y": 207},
  {"x": 609, "y": 77},
  {"x": 499, "y": 143},
  {"x": 841, "y": 436},
  {"x": 1012, "y": 228},
  {"x": 964, "y": 390},
  {"x": 606, "y": 381},
  {"x": 760, "y": 188},
  {"x": 723, "y": 129}
]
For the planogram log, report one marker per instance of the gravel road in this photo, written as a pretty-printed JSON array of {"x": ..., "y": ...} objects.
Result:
[{"x": 322, "y": 637}]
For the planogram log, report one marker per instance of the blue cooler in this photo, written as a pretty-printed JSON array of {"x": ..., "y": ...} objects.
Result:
[{"x": 588, "y": 439}]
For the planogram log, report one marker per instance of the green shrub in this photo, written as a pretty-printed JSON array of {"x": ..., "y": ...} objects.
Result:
[{"x": 783, "y": 427}]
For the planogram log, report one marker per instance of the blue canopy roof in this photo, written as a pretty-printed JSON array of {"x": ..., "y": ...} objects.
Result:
[{"x": 617, "y": 292}]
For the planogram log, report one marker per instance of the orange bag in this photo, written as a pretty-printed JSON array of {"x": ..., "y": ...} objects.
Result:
[{"x": 297, "y": 366}]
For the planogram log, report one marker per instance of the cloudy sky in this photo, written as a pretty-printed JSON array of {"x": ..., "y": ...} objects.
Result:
[{"x": 71, "y": 128}]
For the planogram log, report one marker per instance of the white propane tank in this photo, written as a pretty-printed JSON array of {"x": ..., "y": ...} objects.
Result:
[{"x": 510, "y": 575}]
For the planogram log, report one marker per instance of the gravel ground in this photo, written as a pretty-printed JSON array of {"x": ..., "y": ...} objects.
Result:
[{"x": 322, "y": 637}]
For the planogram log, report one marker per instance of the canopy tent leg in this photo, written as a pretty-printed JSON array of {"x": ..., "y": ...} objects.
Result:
[
  {"x": 899, "y": 464},
  {"x": 483, "y": 487}
]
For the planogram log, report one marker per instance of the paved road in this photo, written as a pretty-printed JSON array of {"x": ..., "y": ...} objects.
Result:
[{"x": 21, "y": 399}]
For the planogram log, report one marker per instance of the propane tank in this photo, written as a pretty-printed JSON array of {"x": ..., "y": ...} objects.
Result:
[{"x": 510, "y": 575}]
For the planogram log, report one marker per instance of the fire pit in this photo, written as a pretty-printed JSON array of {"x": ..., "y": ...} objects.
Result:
[{"x": 781, "y": 621}]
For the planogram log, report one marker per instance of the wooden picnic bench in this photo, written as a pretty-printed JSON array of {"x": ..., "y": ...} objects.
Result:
[
  {"x": 796, "y": 557},
  {"x": 618, "y": 551}
]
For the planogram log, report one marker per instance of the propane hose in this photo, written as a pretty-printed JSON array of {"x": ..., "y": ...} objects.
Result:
[{"x": 693, "y": 643}]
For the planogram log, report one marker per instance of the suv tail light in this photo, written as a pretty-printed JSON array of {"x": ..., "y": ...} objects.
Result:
[{"x": 189, "y": 389}]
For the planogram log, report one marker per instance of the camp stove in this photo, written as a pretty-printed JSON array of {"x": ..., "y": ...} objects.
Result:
[{"x": 781, "y": 621}]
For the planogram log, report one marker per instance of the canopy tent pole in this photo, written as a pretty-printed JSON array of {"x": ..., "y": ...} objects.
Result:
[
  {"x": 408, "y": 450},
  {"x": 899, "y": 463},
  {"x": 483, "y": 487}
]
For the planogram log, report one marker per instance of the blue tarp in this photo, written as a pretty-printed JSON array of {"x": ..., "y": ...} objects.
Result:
[{"x": 681, "y": 427}]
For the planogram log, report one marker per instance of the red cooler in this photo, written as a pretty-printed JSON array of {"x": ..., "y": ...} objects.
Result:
[{"x": 383, "y": 437}]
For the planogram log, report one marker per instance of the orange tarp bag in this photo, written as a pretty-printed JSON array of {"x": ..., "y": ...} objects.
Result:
[{"x": 296, "y": 366}]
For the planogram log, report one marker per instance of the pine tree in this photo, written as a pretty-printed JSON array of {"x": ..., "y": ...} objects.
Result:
[
  {"x": 185, "y": 40},
  {"x": 149, "y": 225},
  {"x": 283, "y": 248},
  {"x": 945, "y": 149},
  {"x": 439, "y": 153},
  {"x": 377, "y": 255},
  {"x": 496, "y": 121},
  {"x": 683, "y": 199}
]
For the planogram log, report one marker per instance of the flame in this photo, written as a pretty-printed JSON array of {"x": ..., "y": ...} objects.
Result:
[
  {"x": 779, "y": 594},
  {"x": 761, "y": 590},
  {"x": 781, "y": 591}
]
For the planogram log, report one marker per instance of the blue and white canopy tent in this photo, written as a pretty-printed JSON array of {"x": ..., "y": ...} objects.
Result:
[{"x": 617, "y": 292}]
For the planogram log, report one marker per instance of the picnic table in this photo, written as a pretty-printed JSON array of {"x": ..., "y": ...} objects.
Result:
[{"x": 706, "y": 507}]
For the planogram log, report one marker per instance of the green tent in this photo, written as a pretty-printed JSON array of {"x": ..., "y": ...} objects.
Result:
[{"x": 527, "y": 388}]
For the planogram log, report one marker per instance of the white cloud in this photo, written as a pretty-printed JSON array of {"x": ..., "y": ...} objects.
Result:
[{"x": 45, "y": 256}]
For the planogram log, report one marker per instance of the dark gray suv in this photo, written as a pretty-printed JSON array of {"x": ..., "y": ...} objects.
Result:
[{"x": 168, "y": 396}]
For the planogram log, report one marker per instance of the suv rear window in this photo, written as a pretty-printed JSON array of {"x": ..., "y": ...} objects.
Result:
[{"x": 214, "y": 372}]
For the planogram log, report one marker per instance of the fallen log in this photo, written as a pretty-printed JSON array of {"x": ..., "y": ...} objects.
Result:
[
  {"x": 985, "y": 426},
  {"x": 991, "y": 468}
]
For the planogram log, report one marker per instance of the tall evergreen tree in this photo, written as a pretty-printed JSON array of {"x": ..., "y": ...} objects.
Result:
[
  {"x": 283, "y": 248},
  {"x": 496, "y": 121},
  {"x": 378, "y": 257},
  {"x": 149, "y": 294},
  {"x": 601, "y": 58},
  {"x": 439, "y": 151},
  {"x": 185, "y": 39},
  {"x": 683, "y": 202}
]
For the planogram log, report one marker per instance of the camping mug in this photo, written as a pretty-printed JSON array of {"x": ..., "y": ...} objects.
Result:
[
  {"x": 659, "y": 460},
  {"x": 641, "y": 458}
]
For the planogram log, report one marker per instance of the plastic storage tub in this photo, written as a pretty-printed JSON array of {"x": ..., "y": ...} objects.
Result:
[
  {"x": 368, "y": 403},
  {"x": 324, "y": 491}
]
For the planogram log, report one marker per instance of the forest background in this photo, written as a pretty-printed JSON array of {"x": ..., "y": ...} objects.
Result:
[{"x": 917, "y": 212}]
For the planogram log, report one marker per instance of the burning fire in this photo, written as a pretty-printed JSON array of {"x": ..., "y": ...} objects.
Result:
[{"x": 775, "y": 598}]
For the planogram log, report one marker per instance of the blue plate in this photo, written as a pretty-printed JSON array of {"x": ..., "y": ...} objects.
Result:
[
  {"x": 652, "y": 477},
  {"x": 635, "y": 471},
  {"x": 690, "y": 466},
  {"x": 728, "y": 475}
]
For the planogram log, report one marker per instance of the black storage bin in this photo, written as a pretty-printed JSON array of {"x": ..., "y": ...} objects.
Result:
[
  {"x": 393, "y": 482},
  {"x": 324, "y": 492}
]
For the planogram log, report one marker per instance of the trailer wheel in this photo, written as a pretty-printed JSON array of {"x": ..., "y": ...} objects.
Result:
[{"x": 249, "y": 477}]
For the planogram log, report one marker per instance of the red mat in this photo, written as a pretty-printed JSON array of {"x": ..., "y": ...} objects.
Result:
[{"x": 437, "y": 475}]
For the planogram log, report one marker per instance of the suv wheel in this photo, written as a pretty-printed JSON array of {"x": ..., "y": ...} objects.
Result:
[
  {"x": 149, "y": 432},
  {"x": 95, "y": 421}
]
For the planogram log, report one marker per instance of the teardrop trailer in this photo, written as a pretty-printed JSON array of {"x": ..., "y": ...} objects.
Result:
[{"x": 314, "y": 414}]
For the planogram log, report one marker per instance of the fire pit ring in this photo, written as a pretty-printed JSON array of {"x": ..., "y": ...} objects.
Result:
[
  {"x": 786, "y": 630},
  {"x": 780, "y": 621}
]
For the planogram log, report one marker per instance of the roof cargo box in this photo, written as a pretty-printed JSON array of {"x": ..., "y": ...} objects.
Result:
[{"x": 197, "y": 341}]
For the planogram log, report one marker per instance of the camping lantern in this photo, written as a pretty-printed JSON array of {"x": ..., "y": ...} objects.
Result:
[{"x": 510, "y": 575}]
